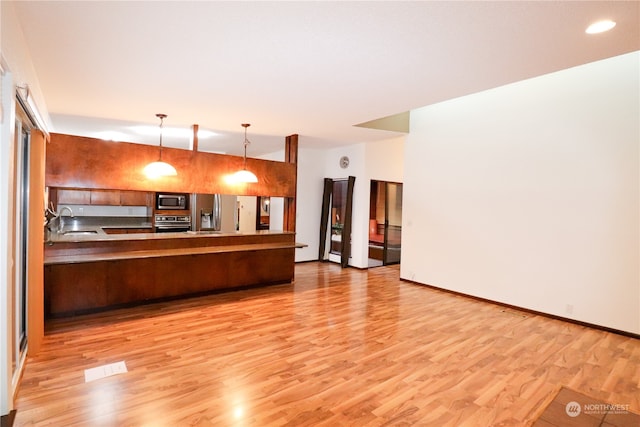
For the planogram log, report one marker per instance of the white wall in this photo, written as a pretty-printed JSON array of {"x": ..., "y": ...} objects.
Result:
[
  {"x": 6, "y": 249},
  {"x": 385, "y": 161},
  {"x": 16, "y": 52},
  {"x": 276, "y": 213},
  {"x": 247, "y": 214},
  {"x": 359, "y": 224},
  {"x": 528, "y": 194},
  {"x": 309, "y": 200},
  {"x": 381, "y": 160}
]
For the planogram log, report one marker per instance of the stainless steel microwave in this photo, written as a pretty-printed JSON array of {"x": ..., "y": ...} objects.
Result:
[{"x": 171, "y": 201}]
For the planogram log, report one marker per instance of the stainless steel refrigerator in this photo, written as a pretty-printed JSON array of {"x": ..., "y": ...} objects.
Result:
[{"x": 214, "y": 212}]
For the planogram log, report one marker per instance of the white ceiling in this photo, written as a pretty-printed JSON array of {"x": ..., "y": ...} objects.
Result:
[{"x": 311, "y": 68}]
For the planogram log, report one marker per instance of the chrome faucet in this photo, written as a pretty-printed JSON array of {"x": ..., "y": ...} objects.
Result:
[
  {"x": 61, "y": 221},
  {"x": 67, "y": 208}
]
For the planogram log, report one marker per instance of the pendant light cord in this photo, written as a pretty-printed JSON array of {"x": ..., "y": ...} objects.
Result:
[
  {"x": 246, "y": 142},
  {"x": 161, "y": 117}
]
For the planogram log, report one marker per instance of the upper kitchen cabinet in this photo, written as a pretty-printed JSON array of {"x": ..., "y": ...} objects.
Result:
[
  {"x": 67, "y": 196},
  {"x": 73, "y": 197},
  {"x": 105, "y": 198},
  {"x": 136, "y": 198}
]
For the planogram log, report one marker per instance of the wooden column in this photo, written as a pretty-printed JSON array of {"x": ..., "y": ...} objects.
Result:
[
  {"x": 291, "y": 156},
  {"x": 194, "y": 138},
  {"x": 35, "y": 239}
]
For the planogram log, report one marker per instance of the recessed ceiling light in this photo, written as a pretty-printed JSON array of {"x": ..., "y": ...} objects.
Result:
[{"x": 600, "y": 26}]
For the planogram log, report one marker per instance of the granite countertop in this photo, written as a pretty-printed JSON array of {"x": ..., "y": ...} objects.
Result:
[{"x": 83, "y": 229}]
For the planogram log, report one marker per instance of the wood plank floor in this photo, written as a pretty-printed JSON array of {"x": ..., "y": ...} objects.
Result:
[{"x": 336, "y": 348}]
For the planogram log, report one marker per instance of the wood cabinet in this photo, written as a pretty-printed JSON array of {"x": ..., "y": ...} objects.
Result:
[
  {"x": 75, "y": 287},
  {"x": 72, "y": 196},
  {"x": 88, "y": 276},
  {"x": 105, "y": 197},
  {"x": 136, "y": 198}
]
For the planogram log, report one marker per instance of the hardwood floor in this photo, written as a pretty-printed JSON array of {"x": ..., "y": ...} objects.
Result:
[{"x": 336, "y": 348}]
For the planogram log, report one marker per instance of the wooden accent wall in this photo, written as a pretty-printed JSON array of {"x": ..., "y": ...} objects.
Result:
[
  {"x": 81, "y": 162},
  {"x": 35, "y": 259}
]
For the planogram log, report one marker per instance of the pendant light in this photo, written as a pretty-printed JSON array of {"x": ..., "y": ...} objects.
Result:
[
  {"x": 159, "y": 169},
  {"x": 243, "y": 175}
]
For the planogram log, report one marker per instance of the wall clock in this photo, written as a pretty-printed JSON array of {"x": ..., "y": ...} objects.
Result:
[{"x": 344, "y": 162}]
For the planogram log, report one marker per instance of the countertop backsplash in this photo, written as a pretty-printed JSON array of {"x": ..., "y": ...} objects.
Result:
[{"x": 106, "y": 211}]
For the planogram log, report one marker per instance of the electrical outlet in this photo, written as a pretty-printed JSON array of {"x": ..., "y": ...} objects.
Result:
[{"x": 569, "y": 309}]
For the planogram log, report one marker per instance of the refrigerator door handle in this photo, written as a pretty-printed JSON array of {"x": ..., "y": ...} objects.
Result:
[{"x": 215, "y": 220}]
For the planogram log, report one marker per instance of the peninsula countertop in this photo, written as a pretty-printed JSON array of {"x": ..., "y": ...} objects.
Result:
[
  {"x": 97, "y": 234},
  {"x": 86, "y": 242},
  {"x": 96, "y": 229}
]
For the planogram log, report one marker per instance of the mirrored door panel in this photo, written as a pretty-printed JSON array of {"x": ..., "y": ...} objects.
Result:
[
  {"x": 393, "y": 223},
  {"x": 385, "y": 223}
]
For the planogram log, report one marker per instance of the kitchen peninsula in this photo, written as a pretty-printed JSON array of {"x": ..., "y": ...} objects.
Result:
[
  {"x": 85, "y": 273},
  {"x": 91, "y": 270}
]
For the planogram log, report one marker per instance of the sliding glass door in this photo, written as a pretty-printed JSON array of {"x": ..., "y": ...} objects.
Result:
[{"x": 21, "y": 229}]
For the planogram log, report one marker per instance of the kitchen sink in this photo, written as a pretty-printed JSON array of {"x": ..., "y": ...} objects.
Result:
[{"x": 79, "y": 232}]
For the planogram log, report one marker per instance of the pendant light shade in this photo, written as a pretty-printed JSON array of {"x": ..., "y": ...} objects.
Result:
[
  {"x": 159, "y": 169},
  {"x": 243, "y": 175}
]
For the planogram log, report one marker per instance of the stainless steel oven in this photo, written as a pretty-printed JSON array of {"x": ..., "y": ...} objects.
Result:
[{"x": 172, "y": 223}]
